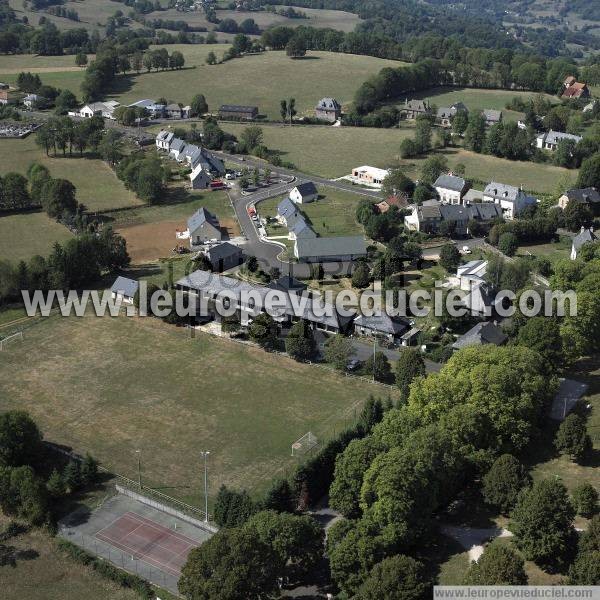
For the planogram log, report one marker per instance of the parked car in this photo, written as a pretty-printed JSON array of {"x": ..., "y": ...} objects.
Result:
[
  {"x": 353, "y": 364},
  {"x": 466, "y": 250},
  {"x": 230, "y": 176}
]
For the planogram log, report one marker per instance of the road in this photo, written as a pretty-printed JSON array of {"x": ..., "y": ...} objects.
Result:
[{"x": 364, "y": 351}]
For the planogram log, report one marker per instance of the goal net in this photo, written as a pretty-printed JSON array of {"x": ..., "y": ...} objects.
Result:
[
  {"x": 305, "y": 444},
  {"x": 10, "y": 338}
]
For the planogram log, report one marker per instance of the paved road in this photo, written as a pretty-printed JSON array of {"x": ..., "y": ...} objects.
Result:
[{"x": 364, "y": 351}]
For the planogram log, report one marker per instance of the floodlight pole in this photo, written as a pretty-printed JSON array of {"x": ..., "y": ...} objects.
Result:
[
  {"x": 205, "y": 455},
  {"x": 139, "y": 457},
  {"x": 374, "y": 348}
]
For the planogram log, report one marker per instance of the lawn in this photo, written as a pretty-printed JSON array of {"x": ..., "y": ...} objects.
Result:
[
  {"x": 62, "y": 79},
  {"x": 97, "y": 186},
  {"x": 15, "y": 63},
  {"x": 122, "y": 384},
  {"x": 333, "y": 214},
  {"x": 25, "y": 235},
  {"x": 552, "y": 252}
]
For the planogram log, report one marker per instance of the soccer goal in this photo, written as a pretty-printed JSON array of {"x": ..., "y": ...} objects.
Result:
[
  {"x": 305, "y": 444},
  {"x": 10, "y": 338}
]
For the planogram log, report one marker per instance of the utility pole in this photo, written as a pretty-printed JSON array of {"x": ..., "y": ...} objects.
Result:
[
  {"x": 205, "y": 455},
  {"x": 374, "y": 348},
  {"x": 139, "y": 457}
]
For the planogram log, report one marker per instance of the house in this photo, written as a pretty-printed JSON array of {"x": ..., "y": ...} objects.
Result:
[
  {"x": 124, "y": 289},
  {"x": 8, "y": 96},
  {"x": 209, "y": 286},
  {"x": 207, "y": 160},
  {"x": 153, "y": 109},
  {"x": 199, "y": 178},
  {"x": 426, "y": 218},
  {"x": 164, "y": 139},
  {"x": 429, "y": 217},
  {"x": 550, "y": 140},
  {"x": 585, "y": 236},
  {"x": 445, "y": 114},
  {"x": 287, "y": 283},
  {"x": 511, "y": 199},
  {"x": 451, "y": 188},
  {"x": 304, "y": 193},
  {"x": 299, "y": 228},
  {"x": 470, "y": 274},
  {"x": 330, "y": 249},
  {"x": 173, "y": 111},
  {"x": 381, "y": 325},
  {"x": 480, "y": 335},
  {"x": 176, "y": 149},
  {"x": 575, "y": 89},
  {"x": 101, "y": 109},
  {"x": 234, "y": 111},
  {"x": 224, "y": 256},
  {"x": 203, "y": 226},
  {"x": 481, "y": 300},
  {"x": 399, "y": 201},
  {"x": 369, "y": 175},
  {"x": 590, "y": 107},
  {"x": 4, "y": 86},
  {"x": 492, "y": 117},
  {"x": 328, "y": 109},
  {"x": 30, "y": 100},
  {"x": 411, "y": 337},
  {"x": 286, "y": 209},
  {"x": 457, "y": 217},
  {"x": 411, "y": 109},
  {"x": 588, "y": 196}
]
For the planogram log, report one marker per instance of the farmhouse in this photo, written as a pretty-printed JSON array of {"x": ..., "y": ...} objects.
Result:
[
  {"x": 174, "y": 111},
  {"x": 451, "y": 189},
  {"x": 551, "y": 139},
  {"x": 411, "y": 109},
  {"x": 512, "y": 200},
  {"x": 411, "y": 337},
  {"x": 102, "y": 109},
  {"x": 203, "y": 226},
  {"x": 199, "y": 178},
  {"x": 243, "y": 297},
  {"x": 445, "y": 114},
  {"x": 154, "y": 109},
  {"x": 224, "y": 256},
  {"x": 480, "y": 335},
  {"x": 330, "y": 249},
  {"x": 492, "y": 117},
  {"x": 124, "y": 289},
  {"x": 328, "y": 109},
  {"x": 164, "y": 139},
  {"x": 370, "y": 175},
  {"x": 575, "y": 89},
  {"x": 304, "y": 193},
  {"x": 588, "y": 196},
  {"x": 585, "y": 236},
  {"x": 382, "y": 325},
  {"x": 234, "y": 111}
]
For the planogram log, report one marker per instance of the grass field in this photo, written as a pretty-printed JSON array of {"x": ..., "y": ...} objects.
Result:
[
  {"x": 23, "y": 236},
  {"x": 15, "y": 63},
  {"x": 552, "y": 252},
  {"x": 331, "y": 215},
  {"x": 121, "y": 384},
  {"x": 97, "y": 186}
]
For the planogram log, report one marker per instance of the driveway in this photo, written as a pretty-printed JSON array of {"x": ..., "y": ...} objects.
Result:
[{"x": 364, "y": 351}]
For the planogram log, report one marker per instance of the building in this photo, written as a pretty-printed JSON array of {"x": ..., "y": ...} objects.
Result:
[
  {"x": 369, "y": 175},
  {"x": 30, "y": 100},
  {"x": 287, "y": 283},
  {"x": 207, "y": 160},
  {"x": 512, "y": 200},
  {"x": 245, "y": 297},
  {"x": 304, "y": 193},
  {"x": 328, "y": 109},
  {"x": 299, "y": 228},
  {"x": 199, "y": 178},
  {"x": 224, "y": 256},
  {"x": 411, "y": 337},
  {"x": 585, "y": 236},
  {"x": 174, "y": 111},
  {"x": 234, "y": 111},
  {"x": 588, "y": 196},
  {"x": 8, "y": 96},
  {"x": 575, "y": 89},
  {"x": 451, "y": 188},
  {"x": 470, "y": 274},
  {"x": 411, "y": 109},
  {"x": 124, "y": 289},
  {"x": 330, "y": 249},
  {"x": 4, "y": 86},
  {"x": 480, "y": 335},
  {"x": 382, "y": 325},
  {"x": 286, "y": 209},
  {"x": 176, "y": 149},
  {"x": 431, "y": 214},
  {"x": 98, "y": 109},
  {"x": 492, "y": 117},
  {"x": 153, "y": 109},
  {"x": 164, "y": 139},
  {"x": 590, "y": 107},
  {"x": 203, "y": 226},
  {"x": 426, "y": 218},
  {"x": 445, "y": 114},
  {"x": 481, "y": 300},
  {"x": 551, "y": 139}
]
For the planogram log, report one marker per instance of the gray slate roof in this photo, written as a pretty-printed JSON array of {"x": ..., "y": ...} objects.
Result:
[
  {"x": 331, "y": 246},
  {"x": 224, "y": 250},
  {"x": 329, "y": 104},
  {"x": 482, "y": 333},
  {"x": 125, "y": 286},
  {"x": 383, "y": 323},
  {"x": 485, "y": 211},
  {"x": 494, "y": 116},
  {"x": 501, "y": 191},
  {"x": 450, "y": 182},
  {"x": 238, "y": 108},
  {"x": 307, "y": 188},
  {"x": 287, "y": 283},
  {"x": 302, "y": 229},
  {"x": 455, "y": 212},
  {"x": 583, "y": 237},
  {"x": 286, "y": 208},
  {"x": 588, "y": 195},
  {"x": 200, "y": 217},
  {"x": 177, "y": 145},
  {"x": 553, "y": 137}
]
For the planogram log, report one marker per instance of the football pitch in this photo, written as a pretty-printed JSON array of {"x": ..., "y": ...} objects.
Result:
[{"x": 111, "y": 386}]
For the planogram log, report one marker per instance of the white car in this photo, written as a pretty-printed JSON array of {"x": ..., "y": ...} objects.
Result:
[
  {"x": 466, "y": 250},
  {"x": 230, "y": 176}
]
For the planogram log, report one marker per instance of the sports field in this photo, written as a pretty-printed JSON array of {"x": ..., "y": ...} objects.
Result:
[
  {"x": 111, "y": 386},
  {"x": 97, "y": 186}
]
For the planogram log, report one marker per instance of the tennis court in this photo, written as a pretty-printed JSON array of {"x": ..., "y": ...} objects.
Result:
[{"x": 147, "y": 541}]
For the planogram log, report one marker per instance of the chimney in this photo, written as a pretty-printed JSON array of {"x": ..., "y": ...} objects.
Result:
[{"x": 582, "y": 229}]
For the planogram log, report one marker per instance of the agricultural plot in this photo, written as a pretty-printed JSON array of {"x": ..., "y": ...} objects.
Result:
[
  {"x": 15, "y": 63},
  {"x": 122, "y": 384}
]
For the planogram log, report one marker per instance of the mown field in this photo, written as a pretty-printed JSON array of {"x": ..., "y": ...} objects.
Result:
[
  {"x": 15, "y": 63},
  {"x": 113, "y": 385},
  {"x": 97, "y": 186}
]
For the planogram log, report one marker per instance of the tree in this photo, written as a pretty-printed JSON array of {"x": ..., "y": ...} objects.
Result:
[
  {"x": 20, "y": 439},
  {"x": 586, "y": 569},
  {"x": 338, "y": 350},
  {"x": 503, "y": 482},
  {"x": 211, "y": 58},
  {"x": 409, "y": 366},
  {"x": 432, "y": 168},
  {"x": 460, "y": 122},
  {"x": 498, "y": 565},
  {"x": 14, "y": 192},
  {"x": 231, "y": 565},
  {"x": 395, "y": 578},
  {"x": 58, "y": 197},
  {"x": 283, "y": 110},
  {"x": 64, "y": 101},
  {"x": 475, "y": 132},
  {"x": 542, "y": 523},
  {"x": 56, "y": 485},
  {"x": 408, "y": 148},
  {"x": 300, "y": 342},
  {"x": 23, "y": 494},
  {"x": 199, "y": 105},
  {"x": 111, "y": 146},
  {"x": 279, "y": 497},
  {"x": 542, "y": 334},
  {"x": 508, "y": 244},
  {"x": 589, "y": 173},
  {"x": 378, "y": 367},
  {"x": 232, "y": 509},
  {"x": 585, "y": 500},
  {"x": 252, "y": 137},
  {"x": 577, "y": 215},
  {"x": 572, "y": 437},
  {"x": 449, "y": 257},
  {"x": 72, "y": 475},
  {"x": 422, "y": 138},
  {"x": 296, "y": 47},
  {"x": 361, "y": 277},
  {"x": 396, "y": 182},
  {"x": 176, "y": 60},
  {"x": 263, "y": 331},
  {"x": 148, "y": 61}
]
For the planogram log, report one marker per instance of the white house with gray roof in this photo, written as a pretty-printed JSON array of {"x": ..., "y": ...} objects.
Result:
[
  {"x": 481, "y": 335},
  {"x": 304, "y": 193},
  {"x": 164, "y": 139},
  {"x": 124, "y": 289},
  {"x": 550, "y": 140},
  {"x": 203, "y": 226},
  {"x": 330, "y": 249},
  {"x": 585, "y": 236},
  {"x": 512, "y": 200},
  {"x": 451, "y": 189},
  {"x": 199, "y": 178}
]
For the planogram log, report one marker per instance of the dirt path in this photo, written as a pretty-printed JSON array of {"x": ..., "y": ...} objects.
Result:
[{"x": 474, "y": 539}]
